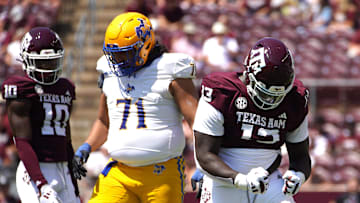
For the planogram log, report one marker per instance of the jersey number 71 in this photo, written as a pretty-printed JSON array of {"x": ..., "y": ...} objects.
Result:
[{"x": 126, "y": 112}]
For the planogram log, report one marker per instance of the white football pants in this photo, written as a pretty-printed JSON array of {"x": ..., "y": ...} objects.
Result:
[
  {"x": 216, "y": 192},
  {"x": 59, "y": 172}
]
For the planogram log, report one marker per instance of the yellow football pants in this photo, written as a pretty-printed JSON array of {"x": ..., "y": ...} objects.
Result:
[{"x": 157, "y": 183}]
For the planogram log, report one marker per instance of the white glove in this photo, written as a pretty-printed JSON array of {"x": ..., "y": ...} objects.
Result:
[
  {"x": 48, "y": 194},
  {"x": 256, "y": 180},
  {"x": 292, "y": 182}
]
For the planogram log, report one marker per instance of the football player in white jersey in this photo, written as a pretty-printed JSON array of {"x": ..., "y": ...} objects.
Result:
[
  {"x": 146, "y": 93},
  {"x": 242, "y": 120}
]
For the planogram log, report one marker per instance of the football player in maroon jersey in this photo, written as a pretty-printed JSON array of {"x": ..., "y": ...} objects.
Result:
[
  {"x": 242, "y": 120},
  {"x": 39, "y": 106}
]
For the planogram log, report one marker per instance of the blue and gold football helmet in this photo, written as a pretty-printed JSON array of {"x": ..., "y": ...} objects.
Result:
[{"x": 128, "y": 41}]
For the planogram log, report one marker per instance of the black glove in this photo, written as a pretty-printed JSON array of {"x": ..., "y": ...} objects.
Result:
[
  {"x": 197, "y": 177},
  {"x": 81, "y": 156}
]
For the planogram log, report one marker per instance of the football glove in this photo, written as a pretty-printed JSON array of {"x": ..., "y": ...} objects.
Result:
[
  {"x": 197, "y": 177},
  {"x": 48, "y": 194},
  {"x": 255, "y": 181},
  {"x": 80, "y": 158},
  {"x": 292, "y": 182}
]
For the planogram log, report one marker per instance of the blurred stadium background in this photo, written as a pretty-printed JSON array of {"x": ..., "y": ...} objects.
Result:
[{"x": 323, "y": 35}]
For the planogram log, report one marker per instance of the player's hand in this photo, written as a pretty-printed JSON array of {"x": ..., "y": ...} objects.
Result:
[
  {"x": 292, "y": 182},
  {"x": 197, "y": 178},
  {"x": 256, "y": 180},
  {"x": 48, "y": 194},
  {"x": 81, "y": 156}
]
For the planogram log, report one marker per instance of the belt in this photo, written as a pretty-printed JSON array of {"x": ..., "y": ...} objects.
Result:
[{"x": 107, "y": 168}]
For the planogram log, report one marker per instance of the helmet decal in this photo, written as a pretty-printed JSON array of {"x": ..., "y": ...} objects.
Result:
[
  {"x": 26, "y": 41},
  {"x": 141, "y": 31},
  {"x": 257, "y": 59}
]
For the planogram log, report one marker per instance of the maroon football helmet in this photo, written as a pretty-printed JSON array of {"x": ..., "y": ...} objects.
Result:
[
  {"x": 42, "y": 53},
  {"x": 270, "y": 72}
]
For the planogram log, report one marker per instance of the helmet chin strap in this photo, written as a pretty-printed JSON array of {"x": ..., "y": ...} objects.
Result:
[
  {"x": 140, "y": 61},
  {"x": 243, "y": 77},
  {"x": 258, "y": 103}
]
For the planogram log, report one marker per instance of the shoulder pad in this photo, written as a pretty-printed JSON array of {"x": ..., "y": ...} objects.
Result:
[
  {"x": 18, "y": 87},
  {"x": 222, "y": 80},
  {"x": 298, "y": 103},
  {"x": 179, "y": 65},
  {"x": 102, "y": 65},
  {"x": 302, "y": 93},
  {"x": 218, "y": 89}
]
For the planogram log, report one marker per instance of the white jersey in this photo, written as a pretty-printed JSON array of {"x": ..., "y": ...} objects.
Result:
[{"x": 145, "y": 122}]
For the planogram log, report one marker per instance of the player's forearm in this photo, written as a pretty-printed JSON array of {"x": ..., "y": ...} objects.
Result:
[
  {"x": 30, "y": 160},
  {"x": 212, "y": 164},
  {"x": 206, "y": 151},
  {"x": 303, "y": 164},
  {"x": 98, "y": 135},
  {"x": 299, "y": 157}
]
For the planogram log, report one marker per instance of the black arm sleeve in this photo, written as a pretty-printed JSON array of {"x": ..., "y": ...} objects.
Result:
[{"x": 299, "y": 157}]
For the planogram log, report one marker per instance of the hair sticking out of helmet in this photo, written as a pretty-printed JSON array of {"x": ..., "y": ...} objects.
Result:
[
  {"x": 129, "y": 38},
  {"x": 42, "y": 54},
  {"x": 270, "y": 72}
]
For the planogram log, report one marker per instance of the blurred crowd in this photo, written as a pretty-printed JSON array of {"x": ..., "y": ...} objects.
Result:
[
  {"x": 323, "y": 36},
  {"x": 16, "y": 18}
]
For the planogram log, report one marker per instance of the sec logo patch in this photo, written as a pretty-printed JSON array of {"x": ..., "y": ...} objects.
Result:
[{"x": 241, "y": 103}]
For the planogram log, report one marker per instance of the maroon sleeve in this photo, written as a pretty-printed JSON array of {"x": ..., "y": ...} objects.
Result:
[
  {"x": 299, "y": 100},
  {"x": 18, "y": 87},
  {"x": 31, "y": 162},
  {"x": 218, "y": 90}
]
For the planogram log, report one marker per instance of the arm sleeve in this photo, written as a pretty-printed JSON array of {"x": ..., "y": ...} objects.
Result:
[
  {"x": 208, "y": 120},
  {"x": 300, "y": 133},
  {"x": 30, "y": 160}
]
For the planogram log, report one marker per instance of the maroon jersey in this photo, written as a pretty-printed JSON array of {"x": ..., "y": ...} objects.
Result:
[
  {"x": 247, "y": 126},
  {"x": 50, "y": 113}
]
